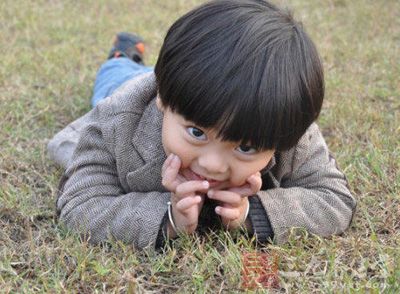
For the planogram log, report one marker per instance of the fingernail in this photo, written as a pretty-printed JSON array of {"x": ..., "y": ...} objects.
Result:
[
  {"x": 218, "y": 210},
  {"x": 210, "y": 193},
  {"x": 206, "y": 184}
]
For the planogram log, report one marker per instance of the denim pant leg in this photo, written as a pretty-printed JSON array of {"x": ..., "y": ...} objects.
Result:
[{"x": 112, "y": 74}]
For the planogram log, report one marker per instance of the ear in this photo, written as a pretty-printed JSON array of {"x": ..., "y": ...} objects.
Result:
[{"x": 159, "y": 103}]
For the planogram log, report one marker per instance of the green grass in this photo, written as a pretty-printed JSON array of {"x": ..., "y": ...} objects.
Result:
[{"x": 50, "y": 53}]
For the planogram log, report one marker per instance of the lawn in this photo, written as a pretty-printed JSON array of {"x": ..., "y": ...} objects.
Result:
[{"x": 50, "y": 53}]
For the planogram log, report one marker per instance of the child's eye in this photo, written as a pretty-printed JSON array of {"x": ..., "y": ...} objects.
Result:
[
  {"x": 246, "y": 149},
  {"x": 197, "y": 133}
]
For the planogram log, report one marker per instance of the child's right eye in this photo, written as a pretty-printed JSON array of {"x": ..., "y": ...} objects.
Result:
[{"x": 196, "y": 133}]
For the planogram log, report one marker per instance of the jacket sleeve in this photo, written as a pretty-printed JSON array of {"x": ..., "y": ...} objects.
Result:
[
  {"x": 92, "y": 200},
  {"x": 313, "y": 193}
]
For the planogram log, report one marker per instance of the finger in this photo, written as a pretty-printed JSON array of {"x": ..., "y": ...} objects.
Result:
[
  {"x": 228, "y": 213},
  {"x": 167, "y": 162},
  {"x": 252, "y": 186},
  {"x": 190, "y": 187},
  {"x": 187, "y": 202},
  {"x": 255, "y": 182},
  {"x": 171, "y": 173},
  {"x": 244, "y": 190},
  {"x": 224, "y": 196}
]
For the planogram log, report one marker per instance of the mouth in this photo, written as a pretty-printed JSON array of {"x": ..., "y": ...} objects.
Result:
[{"x": 193, "y": 176}]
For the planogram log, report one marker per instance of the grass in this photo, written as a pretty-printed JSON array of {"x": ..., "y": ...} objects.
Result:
[{"x": 50, "y": 53}]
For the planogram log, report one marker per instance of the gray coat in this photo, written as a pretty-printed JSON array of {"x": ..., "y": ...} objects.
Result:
[{"x": 112, "y": 184}]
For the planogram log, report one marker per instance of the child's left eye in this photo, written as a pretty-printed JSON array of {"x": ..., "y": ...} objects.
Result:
[
  {"x": 196, "y": 133},
  {"x": 245, "y": 149}
]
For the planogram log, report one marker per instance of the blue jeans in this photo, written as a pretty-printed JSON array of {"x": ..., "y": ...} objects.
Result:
[{"x": 112, "y": 74}]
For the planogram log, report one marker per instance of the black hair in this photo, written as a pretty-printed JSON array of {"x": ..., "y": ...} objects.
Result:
[{"x": 244, "y": 67}]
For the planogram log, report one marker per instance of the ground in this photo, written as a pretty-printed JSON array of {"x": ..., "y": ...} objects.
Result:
[{"x": 50, "y": 53}]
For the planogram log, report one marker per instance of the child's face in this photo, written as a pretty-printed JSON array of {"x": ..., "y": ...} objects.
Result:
[{"x": 204, "y": 156}]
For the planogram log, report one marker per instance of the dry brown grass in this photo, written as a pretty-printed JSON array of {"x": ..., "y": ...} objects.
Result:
[{"x": 50, "y": 53}]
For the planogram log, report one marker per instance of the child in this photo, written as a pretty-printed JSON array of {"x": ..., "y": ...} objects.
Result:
[{"x": 221, "y": 135}]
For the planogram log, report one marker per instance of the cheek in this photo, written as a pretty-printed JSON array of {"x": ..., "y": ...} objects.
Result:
[
  {"x": 166, "y": 142},
  {"x": 174, "y": 143},
  {"x": 185, "y": 155},
  {"x": 244, "y": 170},
  {"x": 241, "y": 174}
]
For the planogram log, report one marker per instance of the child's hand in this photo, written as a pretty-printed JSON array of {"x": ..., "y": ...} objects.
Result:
[
  {"x": 187, "y": 197},
  {"x": 234, "y": 202}
]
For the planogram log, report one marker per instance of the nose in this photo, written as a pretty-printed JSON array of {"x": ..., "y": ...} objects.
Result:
[{"x": 213, "y": 163}]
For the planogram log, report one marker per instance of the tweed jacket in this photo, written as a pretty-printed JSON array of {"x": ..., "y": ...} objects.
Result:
[{"x": 112, "y": 183}]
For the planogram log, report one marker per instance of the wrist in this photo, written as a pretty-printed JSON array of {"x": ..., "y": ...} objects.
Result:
[
  {"x": 242, "y": 221},
  {"x": 174, "y": 225},
  {"x": 172, "y": 229}
]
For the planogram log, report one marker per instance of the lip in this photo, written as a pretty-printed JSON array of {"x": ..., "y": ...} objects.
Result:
[{"x": 191, "y": 175}]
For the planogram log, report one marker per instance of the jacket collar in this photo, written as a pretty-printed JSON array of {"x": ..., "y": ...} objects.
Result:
[
  {"x": 148, "y": 135},
  {"x": 147, "y": 141}
]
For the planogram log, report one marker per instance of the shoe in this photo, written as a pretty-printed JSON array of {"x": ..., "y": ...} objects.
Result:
[{"x": 127, "y": 45}]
